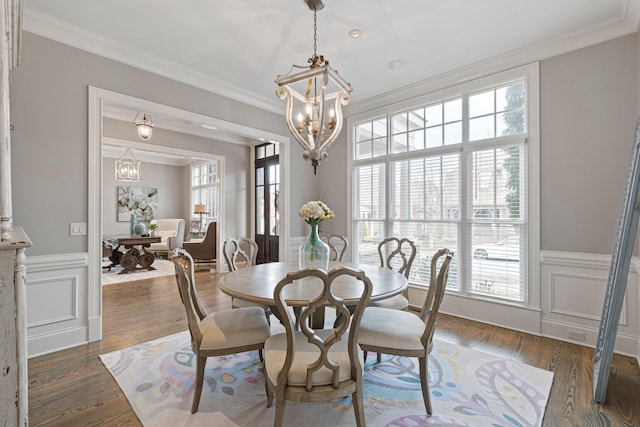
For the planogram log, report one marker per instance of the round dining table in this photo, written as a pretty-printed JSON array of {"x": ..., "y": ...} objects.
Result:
[{"x": 257, "y": 284}]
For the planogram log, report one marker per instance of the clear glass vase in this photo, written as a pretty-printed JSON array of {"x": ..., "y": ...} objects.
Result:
[{"x": 313, "y": 252}]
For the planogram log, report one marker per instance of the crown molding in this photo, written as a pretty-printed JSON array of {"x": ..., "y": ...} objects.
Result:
[
  {"x": 70, "y": 35},
  {"x": 625, "y": 23}
]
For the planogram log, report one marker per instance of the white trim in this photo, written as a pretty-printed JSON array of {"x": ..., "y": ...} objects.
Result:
[{"x": 97, "y": 98}]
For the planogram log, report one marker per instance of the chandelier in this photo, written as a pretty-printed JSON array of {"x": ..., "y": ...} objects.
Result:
[
  {"x": 127, "y": 167},
  {"x": 318, "y": 111},
  {"x": 144, "y": 125}
]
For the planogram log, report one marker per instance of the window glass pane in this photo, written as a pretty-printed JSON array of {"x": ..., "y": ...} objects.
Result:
[
  {"x": 379, "y": 147},
  {"x": 511, "y": 162},
  {"x": 495, "y": 267},
  {"x": 429, "y": 237},
  {"x": 453, "y": 133},
  {"x": 481, "y": 104},
  {"x": 260, "y": 152},
  {"x": 433, "y": 115},
  {"x": 363, "y": 150},
  {"x": 369, "y": 194},
  {"x": 510, "y": 122},
  {"x": 260, "y": 220},
  {"x": 380, "y": 128},
  {"x": 510, "y": 97},
  {"x": 399, "y": 123},
  {"x": 481, "y": 128},
  {"x": 453, "y": 110},
  {"x": 416, "y": 140},
  {"x": 367, "y": 234},
  {"x": 269, "y": 150},
  {"x": 277, "y": 149},
  {"x": 434, "y": 136},
  {"x": 363, "y": 132},
  {"x": 416, "y": 119},
  {"x": 399, "y": 143},
  {"x": 260, "y": 176}
]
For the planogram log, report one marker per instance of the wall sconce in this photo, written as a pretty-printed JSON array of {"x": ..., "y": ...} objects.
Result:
[{"x": 145, "y": 125}]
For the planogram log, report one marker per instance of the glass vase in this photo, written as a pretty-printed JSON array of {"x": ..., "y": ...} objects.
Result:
[{"x": 313, "y": 252}]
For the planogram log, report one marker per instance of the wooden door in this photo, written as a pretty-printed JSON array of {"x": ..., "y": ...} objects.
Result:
[{"x": 267, "y": 172}]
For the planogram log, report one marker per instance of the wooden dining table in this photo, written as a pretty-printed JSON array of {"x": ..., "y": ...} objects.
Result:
[{"x": 257, "y": 284}]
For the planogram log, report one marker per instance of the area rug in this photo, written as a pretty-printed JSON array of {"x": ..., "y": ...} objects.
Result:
[
  {"x": 468, "y": 388},
  {"x": 162, "y": 267}
]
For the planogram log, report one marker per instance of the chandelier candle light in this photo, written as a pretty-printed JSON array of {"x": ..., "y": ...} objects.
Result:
[
  {"x": 317, "y": 125},
  {"x": 314, "y": 252}
]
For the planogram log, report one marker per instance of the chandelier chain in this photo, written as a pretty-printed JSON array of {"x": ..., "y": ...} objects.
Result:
[{"x": 315, "y": 32}]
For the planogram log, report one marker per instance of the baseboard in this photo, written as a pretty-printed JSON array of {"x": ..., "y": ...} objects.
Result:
[{"x": 56, "y": 341}]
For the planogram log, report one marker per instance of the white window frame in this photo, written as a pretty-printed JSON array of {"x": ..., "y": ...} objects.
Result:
[
  {"x": 530, "y": 73},
  {"x": 216, "y": 184}
]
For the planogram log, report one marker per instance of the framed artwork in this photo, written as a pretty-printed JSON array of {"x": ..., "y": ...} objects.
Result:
[{"x": 143, "y": 201}]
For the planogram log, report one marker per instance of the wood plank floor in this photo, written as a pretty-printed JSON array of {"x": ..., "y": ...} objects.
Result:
[{"x": 73, "y": 388}]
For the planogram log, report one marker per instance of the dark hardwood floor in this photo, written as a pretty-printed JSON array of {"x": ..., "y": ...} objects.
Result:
[{"x": 73, "y": 388}]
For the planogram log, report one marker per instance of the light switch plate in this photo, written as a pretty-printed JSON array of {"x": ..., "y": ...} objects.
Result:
[{"x": 77, "y": 229}]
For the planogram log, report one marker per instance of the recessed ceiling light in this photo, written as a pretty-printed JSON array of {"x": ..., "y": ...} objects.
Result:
[
  {"x": 396, "y": 64},
  {"x": 355, "y": 34},
  {"x": 209, "y": 127}
]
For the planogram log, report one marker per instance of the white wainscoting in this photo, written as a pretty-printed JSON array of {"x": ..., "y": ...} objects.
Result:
[
  {"x": 572, "y": 288},
  {"x": 56, "y": 302}
]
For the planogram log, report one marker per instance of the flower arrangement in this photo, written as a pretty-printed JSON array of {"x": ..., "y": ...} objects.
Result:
[
  {"x": 315, "y": 212},
  {"x": 313, "y": 252}
]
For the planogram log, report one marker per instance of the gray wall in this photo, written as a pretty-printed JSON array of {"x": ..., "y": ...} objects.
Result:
[
  {"x": 49, "y": 97},
  {"x": 588, "y": 112},
  {"x": 589, "y": 108}
]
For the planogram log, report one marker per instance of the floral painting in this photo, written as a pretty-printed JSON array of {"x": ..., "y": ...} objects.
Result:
[{"x": 142, "y": 201}]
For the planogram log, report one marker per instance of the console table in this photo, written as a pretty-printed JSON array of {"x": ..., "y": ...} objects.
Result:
[{"x": 134, "y": 256}]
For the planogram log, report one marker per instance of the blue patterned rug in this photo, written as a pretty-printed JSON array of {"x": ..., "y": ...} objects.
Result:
[{"x": 468, "y": 388}]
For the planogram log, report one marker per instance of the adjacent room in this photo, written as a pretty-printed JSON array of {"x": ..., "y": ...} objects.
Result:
[{"x": 403, "y": 213}]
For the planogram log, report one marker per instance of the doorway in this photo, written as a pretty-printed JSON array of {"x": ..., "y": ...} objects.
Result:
[
  {"x": 267, "y": 193},
  {"x": 99, "y": 100}
]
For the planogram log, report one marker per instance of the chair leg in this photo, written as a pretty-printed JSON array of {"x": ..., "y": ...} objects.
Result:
[
  {"x": 358, "y": 407},
  {"x": 200, "y": 364},
  {"x": 268, "y": 392},
  {"x": 260, "y": 355},
  {"x": 280, "y": 404},
  {"x": 379, "y": 357},
  {"x": 424, "y": 382}
]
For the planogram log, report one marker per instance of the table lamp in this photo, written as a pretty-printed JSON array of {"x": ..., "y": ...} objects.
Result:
[{"x": 200, "y": 210}]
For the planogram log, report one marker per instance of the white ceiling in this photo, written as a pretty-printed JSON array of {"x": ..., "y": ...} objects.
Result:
[{"x": 236, "y": 48}]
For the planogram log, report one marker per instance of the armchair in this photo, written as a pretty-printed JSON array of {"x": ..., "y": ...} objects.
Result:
[
  {"x": 204, "y": 250},
  {"x": 171, "y": 233}
]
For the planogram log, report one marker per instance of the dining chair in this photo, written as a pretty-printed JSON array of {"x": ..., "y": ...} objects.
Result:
[
  {"x": 218, "y": 333},
  {"x": 242, "y": 253},
  {"x": 397, "y": 254},
  {"x": 404, "y": 333},
  {"x": 317, "y": 365},
  {"x": 337, "y": 246}
]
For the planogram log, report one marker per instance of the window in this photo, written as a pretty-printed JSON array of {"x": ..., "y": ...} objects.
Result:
[
  {"x": 205, "y": 185},
  {"x": 449, "y": 173}
]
